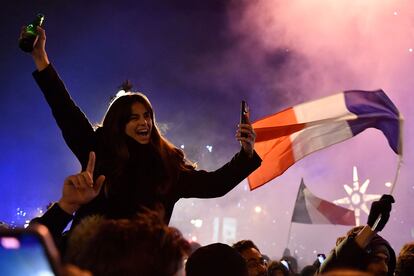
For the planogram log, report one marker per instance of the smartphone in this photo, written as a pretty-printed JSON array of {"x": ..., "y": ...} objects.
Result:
[
  {"x": 29, "y": 251},
  {"x": 244, "y": 110},
  {"x": 321, "y": 258}
]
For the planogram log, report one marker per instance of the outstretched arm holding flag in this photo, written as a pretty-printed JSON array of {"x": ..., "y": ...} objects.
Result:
[{"x": 363, "y": 248}]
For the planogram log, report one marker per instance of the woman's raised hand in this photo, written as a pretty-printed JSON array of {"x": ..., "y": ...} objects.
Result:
[
  {"x": 246, "y": 136},
  {"x": 80, "y": 189},
  {"x": 39, "y": 49}
]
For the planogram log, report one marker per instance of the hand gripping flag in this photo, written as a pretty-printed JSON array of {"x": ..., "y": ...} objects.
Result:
[
  {"x": 288, "y": 136},
  {"x": 310, "y": 209}
]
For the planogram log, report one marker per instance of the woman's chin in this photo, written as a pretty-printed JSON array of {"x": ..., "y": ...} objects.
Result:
[{"x": 142, "y": 140}]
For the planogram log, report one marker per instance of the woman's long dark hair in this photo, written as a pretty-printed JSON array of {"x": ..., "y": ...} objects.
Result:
[{"x": 115, "y": 140}]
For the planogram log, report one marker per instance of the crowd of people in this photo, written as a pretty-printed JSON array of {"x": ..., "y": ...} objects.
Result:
[
  {"x": 145, "y": 245},
  {"x": 121, "y": 203}
]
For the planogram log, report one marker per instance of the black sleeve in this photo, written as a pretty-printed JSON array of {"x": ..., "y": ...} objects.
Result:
[
  {"x": 203, "y": 184},
  {"x": 346, "y": 255},
  {"x": 56, "y": 220},
  {"x": 76, "y": 129}
]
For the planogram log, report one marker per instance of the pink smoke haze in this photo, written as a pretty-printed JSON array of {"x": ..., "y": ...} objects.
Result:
[
  {"x": 335, "y": 45},
  {"x": 368, "y": 39}
]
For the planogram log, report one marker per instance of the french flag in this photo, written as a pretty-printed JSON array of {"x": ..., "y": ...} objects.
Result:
[
  {"x": 287, "y": 136},
  {"x": 310, "y": 209}
]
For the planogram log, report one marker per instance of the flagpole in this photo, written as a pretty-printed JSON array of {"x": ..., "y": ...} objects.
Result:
[
  {"x": 392, "y": 187},
  {"x": 396, "y": 174},
  {"x": 288, "y": 237}
]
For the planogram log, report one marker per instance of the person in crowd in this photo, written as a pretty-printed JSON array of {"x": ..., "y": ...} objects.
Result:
[
  {"x": 142, "y": 245},
  {"x": 142, "y": 168},
  {"x": 276, "y": 268},
  {"x": 71, "y": 270},
  {"x": 256, "y": 264},
  {"x": 216, "y": 259},
  {"x": 292, "y": 262},
  {"x": 346, "y": 272},
  {"x": 194, "y": 246},
  {"x": 362, "y": 248},
  {"x": 77, "y": 190},
  {"x": 4, "y": 225},
  {"x": 308, "y": 270},
  {"x": 405, "y": 261}
]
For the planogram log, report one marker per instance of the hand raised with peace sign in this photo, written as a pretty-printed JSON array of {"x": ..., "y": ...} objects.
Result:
[{"x": 80, "y": 189}]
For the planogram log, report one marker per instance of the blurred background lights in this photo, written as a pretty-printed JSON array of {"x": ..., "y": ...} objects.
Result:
[
  {"x": 26, "y": 223},
  {"x": 258, "y": 209},
  {"x": 209, "y": 148},
  {"x": 388, "y": 184},
  {"x": 197, "y": 222}
]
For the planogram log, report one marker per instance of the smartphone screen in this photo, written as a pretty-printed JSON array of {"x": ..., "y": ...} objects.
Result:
[
  {"x": 24, "y": 254},
  {"x": 243, "y": 112},
  {"x": 321, "y": 258}
]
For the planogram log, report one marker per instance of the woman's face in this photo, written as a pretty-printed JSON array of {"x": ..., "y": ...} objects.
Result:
[{"x": 139, "y": 125}]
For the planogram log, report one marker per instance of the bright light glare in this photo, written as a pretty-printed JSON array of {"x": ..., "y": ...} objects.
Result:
[
  {"x": 209, "y": 148},
  {"x": 197, "y": 222},
  {"x": 10, "y": 243}
]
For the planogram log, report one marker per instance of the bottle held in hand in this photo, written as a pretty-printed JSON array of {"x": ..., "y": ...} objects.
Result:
[{"x": 29, "y": 37}]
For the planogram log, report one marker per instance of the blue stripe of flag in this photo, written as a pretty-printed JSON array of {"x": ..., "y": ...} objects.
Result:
[{"x": 374, "y": 109}]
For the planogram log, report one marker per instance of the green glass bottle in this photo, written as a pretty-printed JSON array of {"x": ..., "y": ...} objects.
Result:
[{"x": 29, "y": 37}]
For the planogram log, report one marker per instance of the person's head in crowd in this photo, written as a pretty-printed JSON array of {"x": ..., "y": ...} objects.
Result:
[
  {"x": 194, "y": 246},
  {"x": 308, "y": 270},
  {"x": 405, "y": 261},
  {"x": 71, "y": 270},
  {"x": 276, "y": 268},
  {"x": 267, "y": 259},
  {"x": 291, "y": 262},
  {"x": 216, "y": 259},
  {"x": 380, "y": 258},
  {"x": 4, "y": 225},
  {"x": 143, "y": 245},
  {"x": 256, "y": 264},
  {"x": 130, "y": 114},
  {"x": 346, "y": 272}
]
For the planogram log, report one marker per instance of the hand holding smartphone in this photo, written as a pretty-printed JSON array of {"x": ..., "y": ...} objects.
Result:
[
  {"x": 244, "y": 113},
  {"x": 321, "y": 258}
]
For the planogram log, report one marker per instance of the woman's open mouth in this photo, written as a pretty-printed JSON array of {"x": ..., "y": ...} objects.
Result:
[{"x": 143, "y": 132}]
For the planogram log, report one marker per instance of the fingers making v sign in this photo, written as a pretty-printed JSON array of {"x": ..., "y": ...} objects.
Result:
[{"x": 80, "y": 188}]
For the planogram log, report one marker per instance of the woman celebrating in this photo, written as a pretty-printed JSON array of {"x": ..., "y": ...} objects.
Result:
[{"x": 141, "y": 167}]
